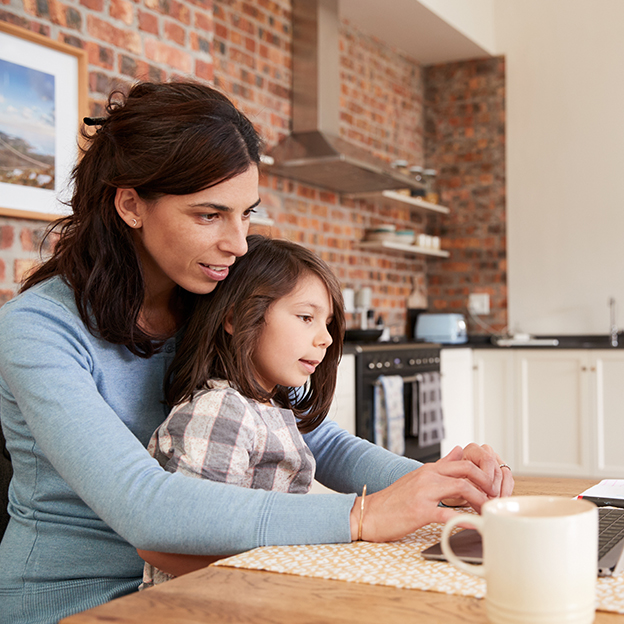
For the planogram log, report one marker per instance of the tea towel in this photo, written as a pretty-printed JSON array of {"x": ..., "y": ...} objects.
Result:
[
  {"x": 429, "y": 409},
  {"x": 390, "y": 413}
]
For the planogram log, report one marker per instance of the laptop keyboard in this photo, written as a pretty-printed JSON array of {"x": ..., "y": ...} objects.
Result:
[{"x": 611, "y": 529}]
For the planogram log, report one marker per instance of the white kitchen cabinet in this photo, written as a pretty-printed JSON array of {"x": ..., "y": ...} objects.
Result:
[
  {"x": 477, "y": 398},
  {"x": 555, "y": 412},
  {"x": 607, "y": 372},
  {"x": 342, "y": 410},
  {"x": 457, "y": 398},
  {"x": 493, "y": 379}
]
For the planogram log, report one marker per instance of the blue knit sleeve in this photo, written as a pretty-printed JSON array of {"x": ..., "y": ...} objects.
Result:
[
  {"x": 346, "y": 463},
  {"x": 77, "y": 413}
]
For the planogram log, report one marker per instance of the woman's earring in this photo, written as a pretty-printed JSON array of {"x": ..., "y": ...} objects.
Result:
[{"x": 134, "y": 223}]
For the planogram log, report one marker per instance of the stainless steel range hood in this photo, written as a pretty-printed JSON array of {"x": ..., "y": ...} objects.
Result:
[{"x": 314, "y": 153}]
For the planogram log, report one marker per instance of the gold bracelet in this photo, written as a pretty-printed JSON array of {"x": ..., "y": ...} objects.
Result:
[{"x": 361, "y": 513}]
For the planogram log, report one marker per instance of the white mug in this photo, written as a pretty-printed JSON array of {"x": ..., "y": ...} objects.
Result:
[{"x": 540, "y": 558}]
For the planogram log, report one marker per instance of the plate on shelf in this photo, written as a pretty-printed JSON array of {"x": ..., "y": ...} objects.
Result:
[{"x": 372, "y": 235}]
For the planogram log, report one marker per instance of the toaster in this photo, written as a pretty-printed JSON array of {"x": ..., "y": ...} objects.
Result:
[{"x": 442, "y": 328}]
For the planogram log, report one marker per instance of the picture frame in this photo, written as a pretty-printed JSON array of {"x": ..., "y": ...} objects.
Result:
[{"x": 43, "y": 99}]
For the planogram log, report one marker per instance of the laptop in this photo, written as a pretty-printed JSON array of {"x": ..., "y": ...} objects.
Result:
[{"x": 466, "y": 544}]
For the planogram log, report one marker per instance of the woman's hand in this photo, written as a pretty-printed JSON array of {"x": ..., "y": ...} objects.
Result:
[
  {"x": 488, "y": 460},
  {"x": 412, "y": 501},
  {"x": 490, "y": 463}
]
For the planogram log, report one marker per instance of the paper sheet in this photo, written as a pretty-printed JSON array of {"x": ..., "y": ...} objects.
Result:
[{"x": 607, "y": 488}]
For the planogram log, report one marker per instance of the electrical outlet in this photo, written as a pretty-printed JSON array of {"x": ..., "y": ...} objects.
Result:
[{"x": 479, "y": 303}]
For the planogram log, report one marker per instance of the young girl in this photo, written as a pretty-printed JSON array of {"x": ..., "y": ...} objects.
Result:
[{"x": 274, "y": 325}]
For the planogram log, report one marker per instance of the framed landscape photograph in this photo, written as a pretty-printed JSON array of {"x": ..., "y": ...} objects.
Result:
[{"x": 43, "y": 98}]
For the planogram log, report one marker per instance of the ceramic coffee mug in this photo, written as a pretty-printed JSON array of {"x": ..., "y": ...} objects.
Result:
[{"x": 540, "y": 558}]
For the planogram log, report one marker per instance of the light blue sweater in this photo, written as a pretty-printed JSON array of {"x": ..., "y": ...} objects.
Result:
[{"x": 77, "y": 413}]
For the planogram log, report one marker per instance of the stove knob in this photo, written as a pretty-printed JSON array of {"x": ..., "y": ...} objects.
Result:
[
  {"x": 371, "y": 365},
  {"x": 379, "y": 364},
  {"x": 418, "y": 361},
  {"x": 431, "y": 360},
  {"x": 437, "y": 360},
  {"x": 412, "y": 361},
  {"x": 387, "y": 364}
]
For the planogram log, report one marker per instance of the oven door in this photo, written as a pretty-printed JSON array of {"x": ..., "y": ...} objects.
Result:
[
  {"x": 404, "y": 362},
  {"x": 413, "y": 449}
]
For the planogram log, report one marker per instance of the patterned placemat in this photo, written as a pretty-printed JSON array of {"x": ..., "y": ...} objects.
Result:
[{"x": 397, "y": 564}]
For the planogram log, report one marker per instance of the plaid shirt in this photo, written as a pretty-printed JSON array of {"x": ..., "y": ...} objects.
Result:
[{"x": 223, "y": 436}]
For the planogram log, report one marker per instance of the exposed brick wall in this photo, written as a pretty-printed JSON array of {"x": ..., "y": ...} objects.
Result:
[
  {"x": 20, "y": 241},
  {"x": 465, "y": 142},
  {"x": 245, "y": 48},
  {"x": 381, "y": 98},
  {"x": 380, "y": 109},
  {"x": 253, "y": 61},
  {"x": 124, "y": 41}
]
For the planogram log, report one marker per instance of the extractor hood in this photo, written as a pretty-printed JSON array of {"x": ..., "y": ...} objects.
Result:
[{"x": 314, "y": 153}]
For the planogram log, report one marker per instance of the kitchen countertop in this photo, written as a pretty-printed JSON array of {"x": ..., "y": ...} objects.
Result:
[
  {"x": 594, "y": 341},
  {"x": 356, "y": 347}
]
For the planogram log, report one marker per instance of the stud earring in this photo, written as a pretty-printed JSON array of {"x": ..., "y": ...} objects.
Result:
[{"x": 134, "y": 223}]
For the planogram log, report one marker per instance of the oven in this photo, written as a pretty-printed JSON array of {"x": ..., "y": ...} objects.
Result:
[{"x": 407, "y": 360}]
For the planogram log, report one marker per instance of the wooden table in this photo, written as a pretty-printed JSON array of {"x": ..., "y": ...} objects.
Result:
[{"x": 248, "y": 596}]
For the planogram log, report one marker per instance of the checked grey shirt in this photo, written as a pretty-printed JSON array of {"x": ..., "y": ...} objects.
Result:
[{"x": 223, "y": 436}]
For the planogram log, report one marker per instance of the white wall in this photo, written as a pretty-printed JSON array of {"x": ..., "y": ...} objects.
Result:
[
  {"x": 431, "y": 31},
  {"x": 565, "y": 161},
  {"x": 473, "y": 18}
]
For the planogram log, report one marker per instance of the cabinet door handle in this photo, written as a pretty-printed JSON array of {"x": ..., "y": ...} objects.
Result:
[{"x": 584, "y": 368}]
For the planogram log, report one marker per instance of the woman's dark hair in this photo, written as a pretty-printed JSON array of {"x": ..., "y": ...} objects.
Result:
[
  {"x": 160, "y": 139},
  {"x": 270, "y": 270}
]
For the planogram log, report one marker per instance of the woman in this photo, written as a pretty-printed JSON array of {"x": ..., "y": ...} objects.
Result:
[{"x": 161, "y": 208}]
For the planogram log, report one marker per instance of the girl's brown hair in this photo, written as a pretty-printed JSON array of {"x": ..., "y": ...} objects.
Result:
[
  {"x": 270, "y": 270},
  {"x": 160, "y": 139}
]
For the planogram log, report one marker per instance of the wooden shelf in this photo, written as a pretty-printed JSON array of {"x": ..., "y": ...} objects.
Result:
[
  {"x": 413, "y": 202},
  {"x": 261, "y": 221},
  {"x": 380, "y": 245}
]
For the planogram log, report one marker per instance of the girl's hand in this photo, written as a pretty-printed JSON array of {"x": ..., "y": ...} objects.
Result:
[{"x": 471, "y": 475}]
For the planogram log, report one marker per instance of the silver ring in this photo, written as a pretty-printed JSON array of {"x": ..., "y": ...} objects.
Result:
[{"x": 504, "y": 466}]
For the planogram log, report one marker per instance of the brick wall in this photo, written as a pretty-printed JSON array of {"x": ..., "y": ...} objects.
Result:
[
  {"x": 19, "y": 241},
  {"x": 380, "y": 109},
  {"x": 124, "y": 41},
  {"x": 465, "y": 142},
  {"x": 244, "y": 47}
]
